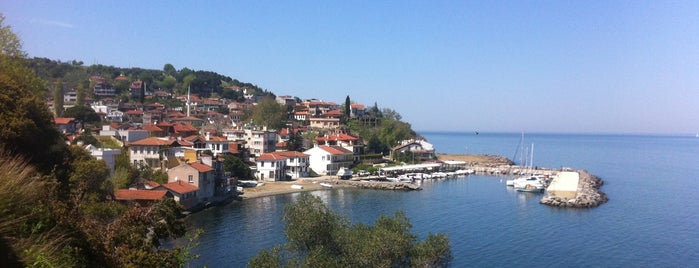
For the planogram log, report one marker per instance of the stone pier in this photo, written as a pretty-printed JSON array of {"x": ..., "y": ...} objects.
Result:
[{"x": 578, "y": 189}]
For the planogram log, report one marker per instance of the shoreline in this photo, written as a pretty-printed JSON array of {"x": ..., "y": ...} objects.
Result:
[
  {"x": 271, "y": 188},
  {"x": 588, "y": 193}
]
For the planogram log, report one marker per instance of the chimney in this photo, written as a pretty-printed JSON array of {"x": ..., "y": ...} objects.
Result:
[{"x": 208, "y": 136}]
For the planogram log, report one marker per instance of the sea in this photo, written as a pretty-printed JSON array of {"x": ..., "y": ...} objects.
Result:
[{"x": 650, "y": 220}]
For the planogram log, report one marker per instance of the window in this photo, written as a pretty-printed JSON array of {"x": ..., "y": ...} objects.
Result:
[{"x": 191, "y": 179}]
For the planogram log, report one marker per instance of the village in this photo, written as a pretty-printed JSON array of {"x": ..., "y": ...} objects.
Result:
[{"x": 190, "y": 144}]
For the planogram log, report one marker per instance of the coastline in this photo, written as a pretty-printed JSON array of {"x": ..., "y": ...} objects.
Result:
[{"x": 284, "y": 187}]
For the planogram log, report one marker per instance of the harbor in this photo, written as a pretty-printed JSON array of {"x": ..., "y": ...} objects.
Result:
[{"x": 564, "y": 187}]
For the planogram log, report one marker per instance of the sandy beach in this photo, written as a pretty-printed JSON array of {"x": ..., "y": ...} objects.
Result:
[{"x": 284, "y": 187}]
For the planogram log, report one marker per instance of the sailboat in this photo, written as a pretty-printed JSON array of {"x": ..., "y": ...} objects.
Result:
[{"x": 530, "y": 183}]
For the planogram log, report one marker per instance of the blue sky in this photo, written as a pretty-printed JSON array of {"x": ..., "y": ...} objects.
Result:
[{"x": 535, "y": 66}]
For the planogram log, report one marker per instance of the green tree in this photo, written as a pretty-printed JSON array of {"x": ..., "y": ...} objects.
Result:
[
  {"x": 58, "y": 98},
  {"x": 269, "y": 113},
  {"x": 83, "y": 114},
  {"x": 348, "y": 107},
  {"x": 169, "y": 70},
  {"x": 27, "y": 124},
  {"x": 236, "y": 167},
  {"x": 318, "y": 237},
  {"x": 81, "y": 95}
]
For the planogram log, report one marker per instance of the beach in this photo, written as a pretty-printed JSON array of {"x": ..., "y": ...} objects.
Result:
[{"x": 284, "y": 187}]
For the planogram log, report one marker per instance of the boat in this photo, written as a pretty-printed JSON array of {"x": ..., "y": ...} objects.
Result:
[
  {"x": 247, "y": 183},
  {"x": 297, "y": 187},
  {"x": 327, "y": 185},
  {"x": 529, "y": 184},
  {"x": 462, "y": 172}
]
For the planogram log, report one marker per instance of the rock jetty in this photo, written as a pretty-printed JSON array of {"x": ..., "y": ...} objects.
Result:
[
  {"x": 379, "y": 185},
  {"x": 587, "y": 194}
]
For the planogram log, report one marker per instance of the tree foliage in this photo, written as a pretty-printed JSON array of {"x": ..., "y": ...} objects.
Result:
[
  {"x": 83, "y": 114},
  {"x": 57, "y": 207},
  {"x": 319, "y": 237},
  {"x": 269, "y": 113},
  {"x": 236, "y": 167}
]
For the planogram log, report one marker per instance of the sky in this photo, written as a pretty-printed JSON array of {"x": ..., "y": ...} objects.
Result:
[{"x": 536, "y": 66}]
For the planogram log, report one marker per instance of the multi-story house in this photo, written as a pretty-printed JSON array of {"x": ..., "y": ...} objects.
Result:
[
  {"x": 260, "y": 141},
  {"x": 347, "y": 141},
  {"x": 153, "y": 151},
  {"x": 217, "y": 145},
  {"x": 196, "y": 174},
  {"x": 282, "y": 166},
  {"x": 327, "y": 160},
  {"x": 324, "y": 122}
]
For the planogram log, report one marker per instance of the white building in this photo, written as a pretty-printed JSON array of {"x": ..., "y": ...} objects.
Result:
[
  {"x": 282, "y": 166},
  {"x": 327, "y": 160},
  {"x": 260, "y": 141}
]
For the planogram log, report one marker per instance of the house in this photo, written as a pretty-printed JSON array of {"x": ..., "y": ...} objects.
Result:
[
  {"x": 154, "y": 150},
  {"x": 347, "y": 141},
  {"x": 183, "y": 193},
  {"x": 124, "y": 135},
  {"x": 282, "y": 166},
  {"x": 357, "y": 110},
  {"x": 327, "y": 160},
  {"x": 217, "y": 145},
  {"x": 324, "y": 122},
  {"x": 421, "y": 149},
  {"x": 106, "y": 155},
  {"x": 143, "y": 197},
  {"x": 66, "y": 125},
  {"x": 260, "y": 141},
  {"x": 196, "y": 174}
]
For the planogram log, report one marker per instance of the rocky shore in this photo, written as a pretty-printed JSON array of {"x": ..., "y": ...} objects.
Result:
[
  {"x": 588, "y": 194},
  {"x": 379, "y": 185}
]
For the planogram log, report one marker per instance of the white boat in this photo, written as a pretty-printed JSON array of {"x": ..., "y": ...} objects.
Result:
[
  {"x": 298, "y": 187},
  {"x": 529, "y": 184},
  {"x": 327, "y": 185}
]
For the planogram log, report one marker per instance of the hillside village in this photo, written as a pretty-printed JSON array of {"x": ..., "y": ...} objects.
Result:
[{"x": 189, "y": 144}]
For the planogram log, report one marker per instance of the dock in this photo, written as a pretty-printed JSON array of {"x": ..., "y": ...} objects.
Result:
[{"x": 576, "y": 189}]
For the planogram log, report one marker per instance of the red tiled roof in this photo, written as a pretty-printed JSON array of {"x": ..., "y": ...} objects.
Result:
[
  {"x": 181, "y": 187},
  {"x": 63, "y": 120},
  {"x": 336, "y": 149},
  {"x": 334, "y": 112},
  {"x": 339, "y": 137},
  {"x": 155, "y": 141},
  {"x": 189, "y": 118},
  {"x": 134, "y": 112},
  {"x": 271, "y": 157},
  {"x": 151, "y": 127},
  {"x": 152, "y": 184},
  {"x": 125, "y": 194},
  {"x": 201, "y": 167},
  {"x": 293, "y": 154},
  {"x": 184, "y": 127},
  {"x": 357, "y": 106}
]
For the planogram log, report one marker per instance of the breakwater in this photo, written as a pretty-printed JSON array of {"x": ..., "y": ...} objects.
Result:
[
  {"x": 587, "y": 194},
  {"x": 380, "y": 185}
]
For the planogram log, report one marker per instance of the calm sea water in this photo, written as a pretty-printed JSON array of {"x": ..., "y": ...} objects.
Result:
[{"x": 651, "y": 220}]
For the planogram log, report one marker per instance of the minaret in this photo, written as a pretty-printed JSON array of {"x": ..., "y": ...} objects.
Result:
[{"x": 188, "y": 89}]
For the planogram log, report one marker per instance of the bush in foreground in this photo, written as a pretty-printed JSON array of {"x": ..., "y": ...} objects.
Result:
[{"x": 319, "y": 237}]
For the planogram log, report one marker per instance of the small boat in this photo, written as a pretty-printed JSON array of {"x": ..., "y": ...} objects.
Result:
[
  {"x": 327, "y": 185},
  {"x": 247, "y": 183},
  {"x": 298, "y": 187},
  {"x": 529, "y": 184}
]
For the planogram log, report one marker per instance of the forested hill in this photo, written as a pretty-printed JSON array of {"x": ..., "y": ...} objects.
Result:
[{"x": 75, "y": 74}]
